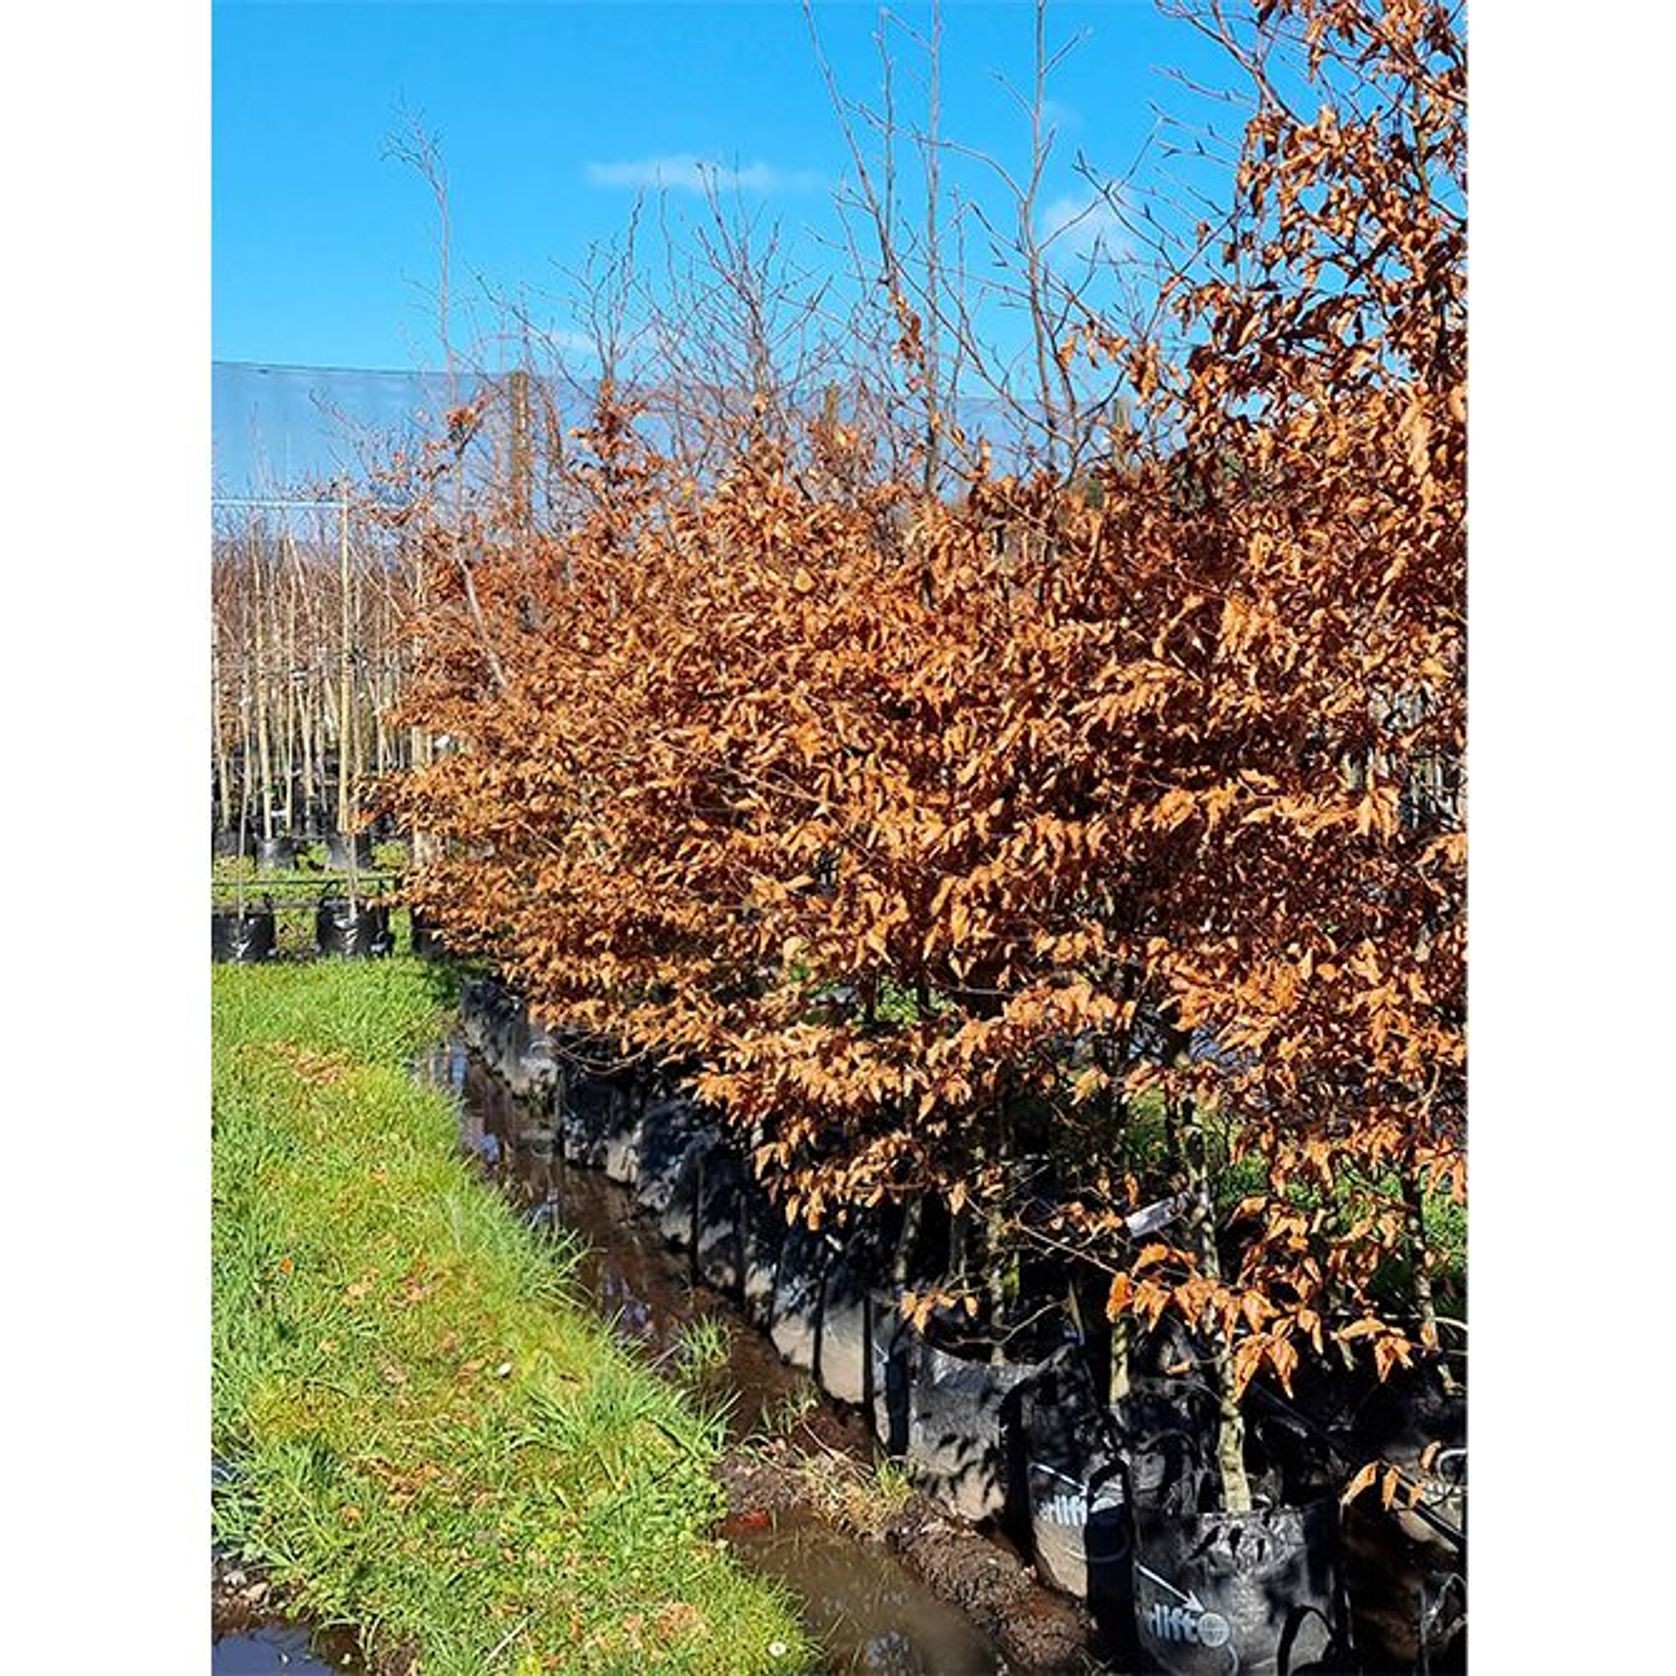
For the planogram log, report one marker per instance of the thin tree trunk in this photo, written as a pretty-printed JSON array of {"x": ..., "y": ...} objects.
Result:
[
  {"x": 223, "y": 811},
  {"x": 901, "y": 1262},
  {"x": 1001, "y": 1265},
  {"x": 310, "y": 791},
  {"x": 247, "y": 746},
  {"x": 1230, "y": 1430},
  {"x": 264, "y": 755},
  {"x": 1419, "y": 1256}
]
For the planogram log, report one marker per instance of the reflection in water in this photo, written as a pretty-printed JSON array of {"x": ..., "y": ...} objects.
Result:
[
  {"x": 267, "y": 1652},
  {"x": 859, "y": 1600},
  {"x": 861, "y": 1603}
]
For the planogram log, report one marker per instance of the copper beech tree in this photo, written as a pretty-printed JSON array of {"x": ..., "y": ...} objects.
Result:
[{"x": 1051, "y": 848}]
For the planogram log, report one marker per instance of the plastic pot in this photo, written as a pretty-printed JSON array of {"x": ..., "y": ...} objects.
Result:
[
  {"x": 341, "y": 848},
  {"x": 359, "y": 932},
  {"x": 241, "y": 939},
  {"x": 276, "y": 855},
  {"x": 426, "y": 939}
]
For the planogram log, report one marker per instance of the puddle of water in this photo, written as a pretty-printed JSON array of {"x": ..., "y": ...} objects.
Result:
[
  {"x": 859, "y": 1600},
  {"x": 268, "y": 1652}
]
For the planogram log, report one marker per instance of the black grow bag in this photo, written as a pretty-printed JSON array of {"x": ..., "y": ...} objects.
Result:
[
  {"x": 241, "y": 939},
  {"x": 678, "y": 1221},
  {"x": 667, "y": 1130},
  {"x": 842, "y": 1344},
  {"x": 426, "y": 939},
  {"x": 475, "y": 996},
  {"x": 960, "y": 1416},
  {"x": 231, "y": 845},
  {"x": 718, "y": 1251},
  {"x": 762, "y": 1232},
  {"x": 538, "y": 1062},
  {"x": 585, "y": 1111},
  {"x": 360, "y": 932},
  {"x": 887, "y": 1350},
  {"x": 624, "y": 1111},
  {"x": 1072, "y": 1484},
  {"x": 794, "y": 1318},
  {"x": 275, "y": 855},
  {"x": 341, "y": 850},
  {"x": 1259, "y": 1591}
]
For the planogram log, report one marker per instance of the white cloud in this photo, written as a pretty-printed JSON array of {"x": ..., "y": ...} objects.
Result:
[
  {"x": 571, "y": 341},
  {"x": 685, "y": 172},
  {"x": 1057, "y": 114},
  {"x": 1081, "y": 225}
]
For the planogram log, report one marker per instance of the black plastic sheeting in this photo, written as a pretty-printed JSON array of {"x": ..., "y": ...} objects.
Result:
[
  {"x": 1261, "y": 1591},
  {"x": 358, "y": 931},
  {"x": 241, "y": 939}
]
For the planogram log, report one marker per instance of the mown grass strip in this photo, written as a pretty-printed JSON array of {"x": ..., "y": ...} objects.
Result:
[{"x": 430, "y": 1439}]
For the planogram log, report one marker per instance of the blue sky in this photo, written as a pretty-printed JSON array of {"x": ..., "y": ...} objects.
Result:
[
  {"x": 552, "y": 118},
  {"x": 550, "y": 114}
]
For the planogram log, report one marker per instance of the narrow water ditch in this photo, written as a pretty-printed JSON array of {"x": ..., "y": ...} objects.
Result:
[{"x": 860, "y": 1598}]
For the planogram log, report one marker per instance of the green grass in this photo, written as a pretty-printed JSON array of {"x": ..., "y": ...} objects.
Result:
[{"x": 430, "y": 1438}]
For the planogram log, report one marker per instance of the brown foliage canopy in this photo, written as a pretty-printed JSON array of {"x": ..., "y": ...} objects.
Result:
[{"x": 930, "y": 833}]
